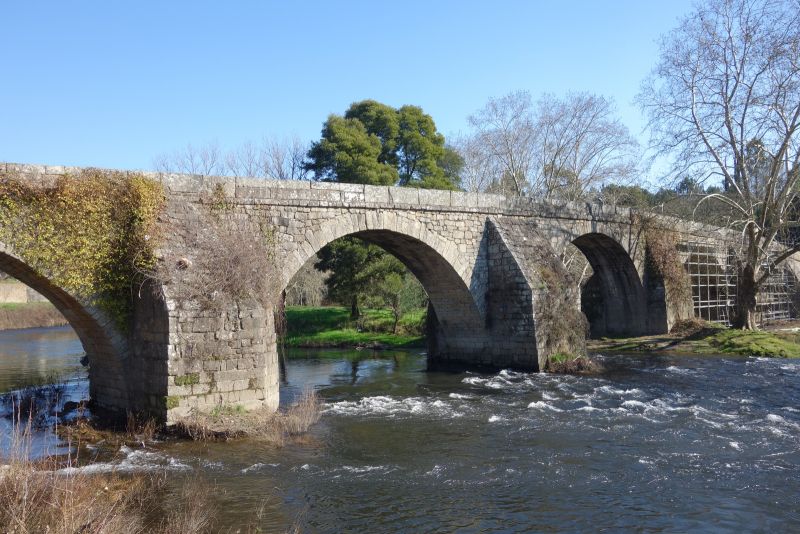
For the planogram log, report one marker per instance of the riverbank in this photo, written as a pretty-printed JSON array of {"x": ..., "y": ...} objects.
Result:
[
  {"x": 708, "y": 338},
  {"x": 15, "y": 316},
  {"x": 332, "y": 327}
]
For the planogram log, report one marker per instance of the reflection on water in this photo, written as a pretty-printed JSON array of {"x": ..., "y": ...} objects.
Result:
[
  {"x": 656, "y": 444},
  {"x": 33, "y": 355}
]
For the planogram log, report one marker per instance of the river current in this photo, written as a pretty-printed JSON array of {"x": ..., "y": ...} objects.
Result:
[{"x": 654, "y": 444}]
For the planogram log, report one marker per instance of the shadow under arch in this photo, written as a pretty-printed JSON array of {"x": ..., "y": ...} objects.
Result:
[
  {"x": 613, "y": 299},
  {"x": 458, "y": 325},
  {"x": 103, "y": 347}
]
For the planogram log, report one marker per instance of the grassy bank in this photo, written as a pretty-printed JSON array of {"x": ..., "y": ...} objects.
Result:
[
  {"x": 331, "y": 326},
  {"x": 709, "y": 338},
  {"x": 29, "y": 315}
]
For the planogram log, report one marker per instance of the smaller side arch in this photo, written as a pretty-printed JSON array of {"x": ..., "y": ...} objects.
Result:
[{"x": 613, "y": 299}]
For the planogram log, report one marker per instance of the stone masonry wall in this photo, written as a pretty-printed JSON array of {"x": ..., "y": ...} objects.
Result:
[{"x": 485, "y": 287}]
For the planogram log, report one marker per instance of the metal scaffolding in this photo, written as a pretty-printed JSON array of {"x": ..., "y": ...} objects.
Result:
[
  {"x": 776, "y": 300},
  {"x": 713, "y": 279}
]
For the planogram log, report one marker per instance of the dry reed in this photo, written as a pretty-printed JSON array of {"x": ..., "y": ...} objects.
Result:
[
  {"x": 52, "y": 495},
  {"x": 273, "y": 427}
]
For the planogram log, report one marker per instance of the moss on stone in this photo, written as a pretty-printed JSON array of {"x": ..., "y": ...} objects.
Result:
[
  {"x": 756, "y": 343},
  {"x": 172, "y": 401},
  {"x": 187, "y": 380}
]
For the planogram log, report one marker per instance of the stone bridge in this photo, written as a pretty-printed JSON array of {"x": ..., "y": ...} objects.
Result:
[{"x": 487, "y": 263}]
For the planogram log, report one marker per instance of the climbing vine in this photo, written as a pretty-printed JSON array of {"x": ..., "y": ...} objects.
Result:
[
  {"x": 557, "y": 316},
  {"x": 663, "y": 258},
  {"x": 90, "y": 232}
]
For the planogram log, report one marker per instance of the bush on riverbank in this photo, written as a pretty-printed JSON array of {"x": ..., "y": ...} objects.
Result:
[
  {"x": 561, "y": 363},
  {"x": 229, "y": 422},
  {"x": 331, "y": 326}
]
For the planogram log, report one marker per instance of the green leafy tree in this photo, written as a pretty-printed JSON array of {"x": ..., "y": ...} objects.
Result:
[
  {"x": 379, "y": 145},
  {"x": 400, "y": 293},
  {"x": 348, "y": 153},
  {"x": 381, "y": 121},
  {"x": 354, "y": 268},
  {"x": 420, "y": 147},
  {"x": 632, "y": 196}
]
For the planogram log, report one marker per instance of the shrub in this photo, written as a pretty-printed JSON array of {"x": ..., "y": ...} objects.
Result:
[
  {"x": 562, "y": 363},
  {"x": 664, "y": 260},
  {"x": 218, "y": 259},
  {"x": 52, "y": 496},
  {"x": 228, "y": 422}
]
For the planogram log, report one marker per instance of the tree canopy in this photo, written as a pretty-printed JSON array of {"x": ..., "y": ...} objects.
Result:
[
  {"x": 377, "y": 144},
  {"x": 553, "y": 148}
]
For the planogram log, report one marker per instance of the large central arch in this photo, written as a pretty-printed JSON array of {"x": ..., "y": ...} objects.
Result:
[
  {"x": 613, "y": 299},
  {"x": 459, "y": 322}
]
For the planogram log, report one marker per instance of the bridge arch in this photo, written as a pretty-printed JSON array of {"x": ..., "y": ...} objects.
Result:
[
  {"x": 103, "y": 347},
  {"x": 433, "y": 260},
  {"x": 613, "y": 299}
]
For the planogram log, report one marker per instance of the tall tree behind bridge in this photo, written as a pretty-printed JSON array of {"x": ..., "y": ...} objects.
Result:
[
  {"x": 724, "y": 103},
  {"x": 557, "y": 148},
  {"x": 376, "y": 144}
]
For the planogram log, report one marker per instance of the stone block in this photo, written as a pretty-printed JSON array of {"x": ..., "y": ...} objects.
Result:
[
  {"x": 404, "y": 195},
  {"x": 459, "y": 199},
  {"x": 377, "y": 194},
  {"x": 434, "y": 198}
]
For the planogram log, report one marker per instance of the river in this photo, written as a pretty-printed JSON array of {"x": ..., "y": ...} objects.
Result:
[{"x": 654, "y": 444}]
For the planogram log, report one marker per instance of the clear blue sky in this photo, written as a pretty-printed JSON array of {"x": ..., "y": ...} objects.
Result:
[{"x": 112, "y": 85}]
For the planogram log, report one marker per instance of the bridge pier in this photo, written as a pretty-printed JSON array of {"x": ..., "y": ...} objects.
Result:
[{"x": 217, "y": 358}]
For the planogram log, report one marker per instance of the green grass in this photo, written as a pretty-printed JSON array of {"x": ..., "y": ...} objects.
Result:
[
  {"x": 560, "y": 357},
  {"x": 713, "y": 339},
  {"x": 228, "y": 409},
  {"x": 24, "y": 305},
  {"x": 331, "y": 326},
  {"x": 755, "y": 343}
]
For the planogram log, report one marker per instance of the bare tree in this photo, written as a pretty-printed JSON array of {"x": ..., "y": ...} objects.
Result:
[
  {"x": 580, "y": 146},
  {"x": 724, "y": 102},
  {"x": 205, "y": 160},
  {"x": 504, "y": 133},
  {"x": 245, "y": 161},
  {"x": 283, "y": 158},
  {"x": 273, "y": 158},
  {"x": 557, "y": 148},
  {"x": 478, "y": 170},
  {"x": 307, "y": 287}
]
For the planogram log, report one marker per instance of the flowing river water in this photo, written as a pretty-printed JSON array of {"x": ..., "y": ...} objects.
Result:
[{"x": 654, "y": 444}]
